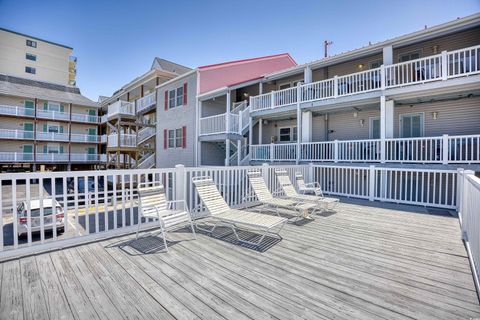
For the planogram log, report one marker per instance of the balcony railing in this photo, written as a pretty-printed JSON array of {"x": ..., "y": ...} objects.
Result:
[
  {"x": 121, "y": 108},
  {"x": 15, "y": 157},
  {"x": 18, "y": 157},
  {"x": 145, "y": 134},
  {"x": 125, "y": 140},
  {"x": 78, "y": 137},
  {"x": 444, "y": 150},
  {"x": 17, "y": 111},
  {"x": 16, "y": 134},
  {"x": 146, "y": 102},
  {"x": 52, "y": 136},
  {"x": 53, "y": 115},
  {"x": 220, "y": 123},
  {"x": 78, "y": 117},
  {"x": 438, "y": 67}
]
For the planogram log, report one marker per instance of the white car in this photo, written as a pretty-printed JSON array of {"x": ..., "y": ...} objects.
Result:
[{"x": 22, "y": 215}]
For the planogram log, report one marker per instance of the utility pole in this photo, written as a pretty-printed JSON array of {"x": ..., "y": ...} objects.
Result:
[{"x": 326, "y": 43}]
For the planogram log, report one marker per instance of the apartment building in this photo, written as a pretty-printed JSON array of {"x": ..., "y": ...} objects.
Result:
[
  {"x": 410, "y": 99},
  {"x": 33, "y": 58},
  {"x": 188, "y": 105},
  {"x": 45, "y": 122},
  {"x": 128, "y": 121}
]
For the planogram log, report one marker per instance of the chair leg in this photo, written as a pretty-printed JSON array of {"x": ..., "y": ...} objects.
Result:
[
  {"x": 138, "y": 228},
  {"x": 164, "y": 239},
  {"x": 193, "y": 229}
]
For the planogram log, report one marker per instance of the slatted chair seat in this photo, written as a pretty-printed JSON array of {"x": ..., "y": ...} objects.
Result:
[
  {"x": 265, "y": 197},
  {"x": 220, "y": 212},
  {"x": 153, "y": 204},
  {"x": 328, "y": 203}
]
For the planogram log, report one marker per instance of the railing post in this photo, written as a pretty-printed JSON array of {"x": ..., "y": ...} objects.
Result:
[
  {"x": 383, "y": 147},
  {"x": 371, "y": 183},
  {"x": 445, "y": 151},
  {"x": 335, "y": 86},
  {"x": 264, "y": 170},
  {"x": 383, "y": 80},
  {"x": 179, "y": 182},
  {"x": 272, "y": 102},
  {"x": 272, "y": 146},
  {"x": 310, "y": 172},
  {"x": 460, "y": 177},
  {"x": 444, "y": 65},
  {"x": 335, "y": 151}
]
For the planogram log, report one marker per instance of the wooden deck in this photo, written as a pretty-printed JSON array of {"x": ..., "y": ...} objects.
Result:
[{"x": 361, "y": 262}]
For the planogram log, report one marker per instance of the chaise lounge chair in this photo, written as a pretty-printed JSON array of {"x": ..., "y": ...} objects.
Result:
[
  {"x": 221, "y": 213},
  {"x": 322, "y": 202},
  {"x": 153, "y": 204},
  {"x": 264, "y": 196}
]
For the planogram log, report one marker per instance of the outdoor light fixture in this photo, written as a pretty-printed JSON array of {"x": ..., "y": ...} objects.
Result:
[
  {"x": 355, "y": 114},
  {"x": 435, "y": 115},
  {"x": 360, "y": 66},
  {"x": 362, "y": 122}
]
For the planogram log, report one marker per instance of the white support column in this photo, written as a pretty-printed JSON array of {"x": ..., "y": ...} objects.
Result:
[
  {"x": 444, "y": 65},
  {"x": 250, "y": 132},
  {"x": 227, "y": 152},
  {"x": 239, "y": 151},
  {"x": 371, "y": 183},
  {"x": 260, "y": 88},
  {"x": 445, "y": 149},
  {"x": 179, "y": 182},
  {"x": 307, "y": 74},
  {"x": 388, "y": 55},
  {"x": 299, "y": 125},
  {"x": 228, "y": 97},
  {"x": 386, "y": 124},
  {"x": 307, "y": 121},
  {"x": 260, "y": 131},
  {"x": 198, "y": 151}
]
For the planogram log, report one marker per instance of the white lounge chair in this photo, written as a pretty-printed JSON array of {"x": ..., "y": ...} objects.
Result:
[
  {"x": 286, "y": 184},
  {"x": 221, "y": 213},
  {"x": 153, "y": 204},
  {"x": 265, "y": 197}
]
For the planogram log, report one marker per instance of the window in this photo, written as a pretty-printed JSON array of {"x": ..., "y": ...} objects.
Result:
[
  {"x": 375, "y": 128},
  {"x": 32, "y": 43},
  {"x": 411, "y": 125},
  {"x": 53, "y": 106},
  {"x": 175, "y": 98},
  {"x": 171, "y": 139},
  {"x": 409, "y": 56},
  {"x": 175, "y": 138},
  {"x": 30, "y": 70},
  {"x": 30, "y": 56},
  {"x": 178, "y": 138},
  {"x": 288, "y": 134},
  {"x": 375, "y": 64}
]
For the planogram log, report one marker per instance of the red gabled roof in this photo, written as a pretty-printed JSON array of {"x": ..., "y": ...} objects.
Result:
[{"x": 225, "y": 74}]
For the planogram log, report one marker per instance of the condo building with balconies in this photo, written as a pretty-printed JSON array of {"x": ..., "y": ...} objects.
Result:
[
  {"x": 411, "y": 99},
  {"x": 44, "y": 119}
]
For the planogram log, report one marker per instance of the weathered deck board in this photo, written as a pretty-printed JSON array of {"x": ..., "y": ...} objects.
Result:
[{"x": 361, "y": 262}]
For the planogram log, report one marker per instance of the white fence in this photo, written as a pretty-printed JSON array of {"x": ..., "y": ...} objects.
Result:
[
  {"x": 96, "y": 204},
  {"x": 444, "y": 149},
  {"x": 438, "y": 67},
  {"x": 469, "y": 215}
]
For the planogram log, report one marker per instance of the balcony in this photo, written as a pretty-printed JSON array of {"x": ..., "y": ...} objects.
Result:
[
  {"x": 16, "y": 134},
  {"x": 122, "y": 141},
  {"x": 86, "y": 138},
  {"x": 121, "y": 108},
  {"x": 145, "y": 134},
  {"x": 442, "y": 150},
  {"x": 225, "y": 123},
  {"x": 17, "y": 111},
  {"x": 441, "y": 67},
  {"x": 78, "y": 117},
  {"x": 52, "y": 136},
  {"x": 18, "y": 157},
  {"x": 146, "y": 102}
]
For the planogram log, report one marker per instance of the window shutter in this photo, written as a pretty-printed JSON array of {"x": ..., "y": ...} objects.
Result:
[
  {"x": 61, "y": 129},
  {"x": 44, "y": 128},
  {"x": 61, "y": 149},
  {"x": 185, "y": 94},
  {"x": 45, "y": 106},
  {"x": 61, "y": 108},
  {"x": 184, "y": 137},
  {"x": 166, "y": 100},
  {"x": 44, "y": 149},
  {"x": 165, "y": 138}
]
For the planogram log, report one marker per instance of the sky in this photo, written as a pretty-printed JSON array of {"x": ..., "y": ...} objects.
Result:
[{"x": 116, "y": 41}]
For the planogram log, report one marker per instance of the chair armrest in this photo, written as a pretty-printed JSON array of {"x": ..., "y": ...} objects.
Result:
[{"x": 312, "y": 185}]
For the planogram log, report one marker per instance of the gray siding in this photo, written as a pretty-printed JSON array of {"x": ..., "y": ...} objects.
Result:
[
  {"x": 212, "y": 154},
  {"x": 174, "y": 119},
  {"x": 347, "y": 127}
]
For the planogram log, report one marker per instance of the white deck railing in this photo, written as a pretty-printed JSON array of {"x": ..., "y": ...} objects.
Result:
[
  {"x": 17, "y": 111},
  {"x": 53, "y": 115},
  {"x": 468, "y": 203},
  {"x": 16, "y": 157},
  {"x": 448, "y": 64},
  {"x": 16, "y": 134},
  {"x": 46, "y": 114},
  {"x": 108, "y": 206},
  {"x": 121, "y": 108},
  {"x": 444, "y": 149},
  {"x": 78, "y": 137},
  {"x": 146, "y": 102},
  {"x": 220, "y": 123},
  {"x": 48, "y": 157},
  {"x": 125, "y": 140},
  {"x": 78, "y": 117},
  {"x": 145, "y": 133},
  {"x": 52, "y": 136}
]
